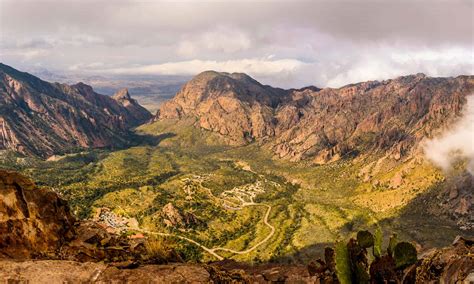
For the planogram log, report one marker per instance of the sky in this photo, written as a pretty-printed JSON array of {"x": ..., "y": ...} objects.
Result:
[{"x": 282, "y": 43}]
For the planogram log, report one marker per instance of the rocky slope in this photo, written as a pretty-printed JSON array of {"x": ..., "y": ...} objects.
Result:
[
  {"x": 387, "y": 117},
  {"x": 33, "y": 221},
  {"x": 43, "y": 118},
  {"x": 234, "y": 105}
]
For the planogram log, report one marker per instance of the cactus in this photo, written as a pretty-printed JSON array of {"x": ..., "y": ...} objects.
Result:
[
  {"x": 365, "y": 239},
  {"x": 378, "y": 239},
  {"x": 343, "y": 268},
  {"x": 358, "y": 260},
  {"x": 351, "y": 263},
  {"x": 404, "y": 254},
  {"x": 392, "y": 243}
]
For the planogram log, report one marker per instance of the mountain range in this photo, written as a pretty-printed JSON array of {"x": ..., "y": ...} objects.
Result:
[
  {"x": 390, "y": 117},
  {"x": 322, "y": 125},
  {"x": 230, "y": 168},
  {"x": 44, "y": 118}
]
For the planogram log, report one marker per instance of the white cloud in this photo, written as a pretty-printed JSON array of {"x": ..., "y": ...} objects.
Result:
[
  {"x": 222, "y": 39},
  {"x": 253, "y": 67},
  {"x": 455, "y": 143}
]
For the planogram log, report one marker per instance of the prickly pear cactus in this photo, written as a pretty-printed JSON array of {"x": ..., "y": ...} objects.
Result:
[
  {"x": 343, "y": 268},
  {"x": 365, "y": 239},
  {"x": 404, "y": 254},
  {"x": 392, "y": 243},
  {"x": 378, "y": 240},
  {"x": 359, "y": 262}
]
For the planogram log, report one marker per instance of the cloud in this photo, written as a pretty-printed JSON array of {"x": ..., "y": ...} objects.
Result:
[
  {"x": 256, "y": 67},
  {"x": 456, "y": 143},
  {"x": 335, "y": 42},
  {"x": 387, "y": 62},
  {"x": 222, "y": 39}
]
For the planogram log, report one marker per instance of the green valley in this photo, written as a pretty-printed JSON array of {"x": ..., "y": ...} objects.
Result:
[{"x": 237, "y": 202}]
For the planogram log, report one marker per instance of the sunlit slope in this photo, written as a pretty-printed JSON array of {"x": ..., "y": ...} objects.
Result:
[{"x": 229, "y": 190}]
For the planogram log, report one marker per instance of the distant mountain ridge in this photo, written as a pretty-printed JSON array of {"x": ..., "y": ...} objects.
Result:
[
  {"x": 322, "y": 125},
  {"x": 44, "y": 118}
]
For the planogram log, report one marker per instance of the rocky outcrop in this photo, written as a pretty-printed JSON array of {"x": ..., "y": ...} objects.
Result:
[
  {"x": 135, "y": 110},
  {"x": 174, "y": 218},
  {"x": 389, "y": 117},
  {"x": 455, "y": 200},
  {"x": 34, "y": 222},
  {"x": 233, "y": 105},
  {"x": 448, "y": 265},
  {"x": 60, "y": 271},
  {"x": 41, "y": 118}
]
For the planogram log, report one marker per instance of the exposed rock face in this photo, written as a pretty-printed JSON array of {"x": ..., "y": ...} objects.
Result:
[
  {"x": 33, "y": 221},
  {"x": 453, "y": 264},
  {"x": 174, "y": 218},
  {"x": 233, "y": 105},
  {"x": 135, "y": 110},
  {"x": 36, "y": 223},
  {"x": 456, "y": 201},
  {"x": 391, "y": 116},
  {"x": 41, "y": 118}
]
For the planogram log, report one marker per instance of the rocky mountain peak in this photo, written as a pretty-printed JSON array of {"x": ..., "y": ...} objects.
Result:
[
  {"x": 122, "y": 95},
  {"x": 124, "y": 98},
  {"x": 233, "y": 105},
  {"x": 83, "y": 87}
]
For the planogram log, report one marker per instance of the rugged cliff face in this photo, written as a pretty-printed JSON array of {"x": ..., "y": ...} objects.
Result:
[
  {"x": 135, "y": 110},
  {"x": 389, "y": 117},
  {"x": 233, "y": 105},
  {"x": 42, "y": 118},
  {"x": 34, "y": 222}
]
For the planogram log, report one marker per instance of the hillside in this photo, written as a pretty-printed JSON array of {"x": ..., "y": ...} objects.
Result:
[
  {"x": 44, "y": 118},
  {"x": 213, "y": 177},
  {"x": 390, "y": 117}
]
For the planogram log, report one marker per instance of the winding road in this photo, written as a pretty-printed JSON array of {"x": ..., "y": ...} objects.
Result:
[
  {"x": 212, "y": 251},
  {"x": 206, "y": 249},
  {"x": 265, "y": 221}
]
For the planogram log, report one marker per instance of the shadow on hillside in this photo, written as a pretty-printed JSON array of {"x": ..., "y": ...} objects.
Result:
[
  {"x": 425, "y": 222},
  {"x": 421, "y": 221},
  {"x": 150, "y": 140},
  {"x": 304, "y": 255}
]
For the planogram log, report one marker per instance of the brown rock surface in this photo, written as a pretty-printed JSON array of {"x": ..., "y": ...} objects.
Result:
[
  {"x": 389, "y": 117},
  {"x": 448, "y": 265},
  {"x": 134, "y": 109},
  {"x": 33, "y": 222},
  {"x": 174, "y": 218},
  {"x": 60, "y": 271},
  {"x": 55, "y": 271},
  {"x": 42, "y": 118},
  {"x": 233, "y": 105}
]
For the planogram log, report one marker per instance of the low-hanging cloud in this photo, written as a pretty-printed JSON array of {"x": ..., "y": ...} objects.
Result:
[
  {"x": 255, "y": 66},
  {"x": 455, "y": 144}
]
